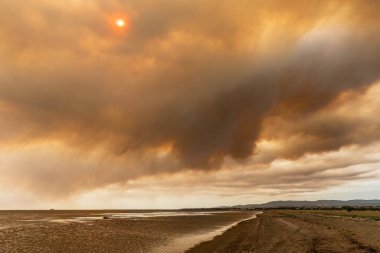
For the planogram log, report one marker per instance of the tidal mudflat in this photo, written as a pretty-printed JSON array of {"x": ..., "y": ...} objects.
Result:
[{"x": 111, "y": 231}]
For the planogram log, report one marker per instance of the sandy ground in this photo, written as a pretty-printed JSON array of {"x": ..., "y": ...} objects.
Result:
[{"x": 297, "y": 231}]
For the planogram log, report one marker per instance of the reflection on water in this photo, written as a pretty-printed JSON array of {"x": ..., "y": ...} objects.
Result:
[
  {"x": 76, "y": 219},
  {"x": 110, "y": 231},
  {"x": 185, "y": 242},
  {"x": 130, "y": 215}
]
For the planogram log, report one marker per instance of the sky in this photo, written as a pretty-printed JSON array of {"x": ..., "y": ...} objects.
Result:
[{"x": 188, "y": 103}]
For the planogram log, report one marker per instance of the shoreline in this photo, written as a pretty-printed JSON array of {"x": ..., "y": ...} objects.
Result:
[
  {"x": 215, "y": 243},
  {"x": 88, "y": 231},
  {"x": 187, "y": 242}
]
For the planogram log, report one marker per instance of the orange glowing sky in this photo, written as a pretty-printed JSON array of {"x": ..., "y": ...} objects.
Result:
[{"x": 168, "y": 104}]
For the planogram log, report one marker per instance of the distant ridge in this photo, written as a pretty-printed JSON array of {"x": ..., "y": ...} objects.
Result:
[{"x": 316, "y": 203}]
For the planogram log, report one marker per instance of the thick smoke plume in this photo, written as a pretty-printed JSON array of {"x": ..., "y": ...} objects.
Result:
[{"x": 188, "y": 85}]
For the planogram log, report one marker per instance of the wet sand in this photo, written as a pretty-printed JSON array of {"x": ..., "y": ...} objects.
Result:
[
  {"x": 122, "y": 231},
  {"x": 299, "y": 231}
]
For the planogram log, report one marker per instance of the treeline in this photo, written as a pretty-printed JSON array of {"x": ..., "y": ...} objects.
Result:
[{"x": 347, "y": 208}]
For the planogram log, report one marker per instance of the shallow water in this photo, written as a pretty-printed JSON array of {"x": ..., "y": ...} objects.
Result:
[{"x": 122, "y": 231}]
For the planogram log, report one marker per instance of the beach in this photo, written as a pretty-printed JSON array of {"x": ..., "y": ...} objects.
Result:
[
  {"x": 300, "y": 231},
  {"x": 162, "y": 231},
  {"x": 148, "y": 231}
]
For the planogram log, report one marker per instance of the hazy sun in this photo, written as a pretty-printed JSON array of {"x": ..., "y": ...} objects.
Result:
[{"x": 120, "y": 22}]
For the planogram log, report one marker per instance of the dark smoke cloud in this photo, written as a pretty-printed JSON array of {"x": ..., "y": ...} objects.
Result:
[{"x": 204, "y": 88}]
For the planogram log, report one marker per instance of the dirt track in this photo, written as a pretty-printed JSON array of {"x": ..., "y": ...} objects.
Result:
[{"x": 297, "y": 231}]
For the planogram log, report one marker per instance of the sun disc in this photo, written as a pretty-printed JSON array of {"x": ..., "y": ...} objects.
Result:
[{"x": 120, "y": 22}]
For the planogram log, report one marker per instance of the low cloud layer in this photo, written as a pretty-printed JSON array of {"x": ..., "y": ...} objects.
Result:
[{"x": 188, "y": 85}]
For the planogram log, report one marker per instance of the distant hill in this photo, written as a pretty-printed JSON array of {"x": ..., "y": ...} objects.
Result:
[{"x": 311, "y": 204}]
